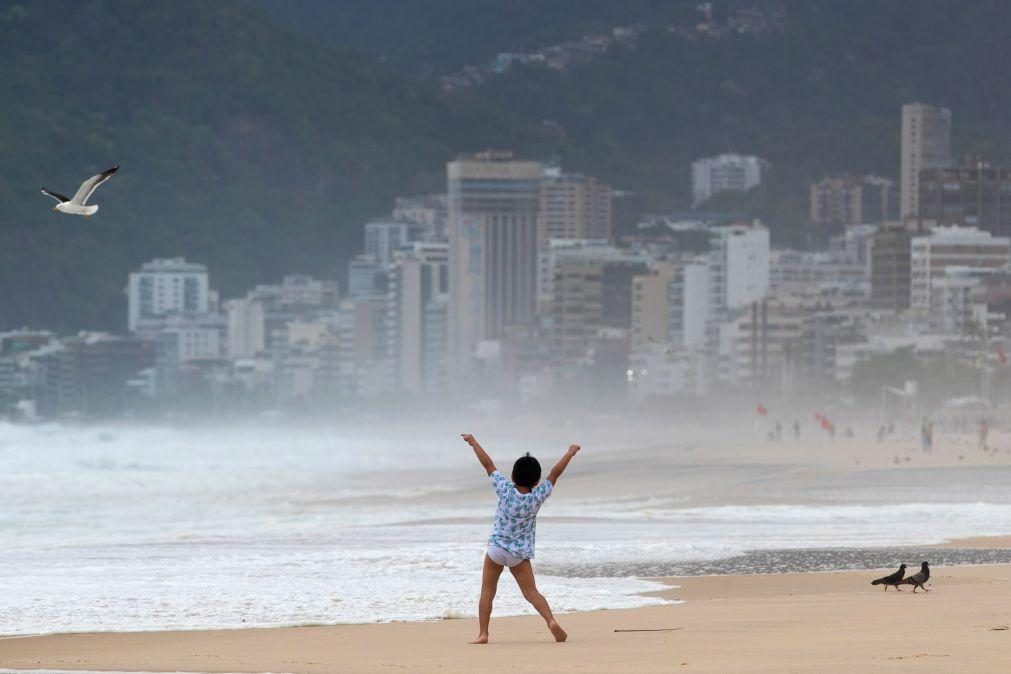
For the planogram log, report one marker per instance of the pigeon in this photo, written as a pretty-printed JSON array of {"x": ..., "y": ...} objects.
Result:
[
  {"x": 918, "y": 579},
  {"x": 892, "y": 579}
]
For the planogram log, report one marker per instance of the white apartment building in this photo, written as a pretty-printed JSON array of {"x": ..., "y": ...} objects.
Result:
[
  {"x": 418, "y": 292},
  {"x": 956, "y": 301},
  {"x": 246, "y": 325},
  {"x": 725, "y": 172},
  {"x": 966, "y": 247},
  {"x": 738, "y": 265},
  {"x": 165, "y": 286},
  {"x": 193, "y": 337},
  {"x": 688, "y": 302}
]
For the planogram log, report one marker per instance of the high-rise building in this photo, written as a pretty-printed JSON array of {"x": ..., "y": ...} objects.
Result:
[
  {"x": 166, "y": 286},
  {"x": 89, "y": 374},
  {"x": 385, "y": 236},
  {"x": 651, "y": 308},
  {"x": 257, "y": 322},
  {"x": 419, "y": 286},
  {"x": 890, "y": 269},
  {"x": 973, "y": 194},
  {"x": 591, "y": 295},
  {"x": 576, "y": 310},
  {"x": 670, "y": 306},
  {"x": 427, "y": 210},
  {"x": 853, "y": 200},
  {"x": 493, "y": 204},
  {"x": 574, "y": 206},
  {"x": 967, "y": 248},
  {"x": 725, "y": 173},
  {"x": 688, "y": 301},
  {"x": 926, "y": 144},
  {"x": 367, "y": 277},
  {"x": 738, "y": 265}
]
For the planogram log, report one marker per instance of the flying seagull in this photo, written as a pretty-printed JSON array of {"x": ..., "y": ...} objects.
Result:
[
  {"x": 76, "y": 206},
  {"x": 918, "y": 579},
  {"x": 892, "y": 579}
]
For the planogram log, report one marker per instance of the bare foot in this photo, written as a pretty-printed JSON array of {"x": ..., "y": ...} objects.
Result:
[
  {"x": 557, "y": 631},
  {"x": 483, "y": 639}
]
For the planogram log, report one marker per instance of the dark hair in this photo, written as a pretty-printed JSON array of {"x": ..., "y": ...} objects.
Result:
[{"x": 526, "y": 471}]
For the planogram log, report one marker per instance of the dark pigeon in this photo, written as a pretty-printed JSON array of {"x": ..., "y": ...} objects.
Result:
[
  {"x": 892, "y": 579},
  {"x": 918, "y": 579}
]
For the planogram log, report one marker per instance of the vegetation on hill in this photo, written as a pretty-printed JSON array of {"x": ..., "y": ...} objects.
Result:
[
  {"x": 258, "y": 135},
  {"x": 820, "y": 96},
  {"x": 243, "y": 145}
]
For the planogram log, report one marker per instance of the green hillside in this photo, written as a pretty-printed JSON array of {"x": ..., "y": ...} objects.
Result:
[
  {"x": 820, "y": 96},
  {"x": 242, "y": 145}
]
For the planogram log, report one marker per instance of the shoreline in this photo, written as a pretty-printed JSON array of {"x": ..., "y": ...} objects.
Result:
[
  {"x": 996, "y": 542},
  {"x": 826, "y": 622}
]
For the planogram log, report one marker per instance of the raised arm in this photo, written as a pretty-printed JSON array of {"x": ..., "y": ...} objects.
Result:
[
  {"x": 482, "y": 455},
  {"x": 563, "y": 462}
]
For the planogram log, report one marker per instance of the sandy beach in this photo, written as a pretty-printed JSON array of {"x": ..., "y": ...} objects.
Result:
[{"x": 825, "y": 622}]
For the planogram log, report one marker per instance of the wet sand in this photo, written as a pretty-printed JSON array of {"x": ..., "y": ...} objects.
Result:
[{"x": 825, "y": 622}]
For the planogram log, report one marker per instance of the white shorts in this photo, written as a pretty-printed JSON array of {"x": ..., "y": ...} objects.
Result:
[{"x": 503, "y": 557}]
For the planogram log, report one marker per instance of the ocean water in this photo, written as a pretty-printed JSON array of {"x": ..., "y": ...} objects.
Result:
[{"x": 123, "y": 529}]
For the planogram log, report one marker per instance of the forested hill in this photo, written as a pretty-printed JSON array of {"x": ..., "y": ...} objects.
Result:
[
  {"x": 242, "y": 145},
  {"x": 258, "y": 135},
  {"x": 818, "y": 92}
]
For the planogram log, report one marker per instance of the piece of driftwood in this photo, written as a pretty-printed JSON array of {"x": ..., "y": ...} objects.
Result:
[{"x": 656, "y": 629}]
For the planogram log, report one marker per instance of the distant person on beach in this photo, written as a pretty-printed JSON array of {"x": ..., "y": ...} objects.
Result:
[
  {"x": 924, "y": 436},
  {"x": 984, "y": 431},
  {"x": 796, "y": 430},
  {"x": 512, "y": 535}
]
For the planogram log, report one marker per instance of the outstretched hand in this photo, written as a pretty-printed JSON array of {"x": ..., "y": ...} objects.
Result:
[
  {"x": 482, "y": 455},
  {"x": 574, "y": 449}
]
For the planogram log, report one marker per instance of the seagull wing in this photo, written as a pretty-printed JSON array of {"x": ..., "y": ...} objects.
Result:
[
  {"x": 55, "y": 195},
  {"x": 88, "y": 187}
]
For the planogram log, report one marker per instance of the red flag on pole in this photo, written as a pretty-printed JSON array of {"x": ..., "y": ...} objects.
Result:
[
  {"x": 826, "y": 424},
  {"x": 761, "y": 410},
  {"x": 1001, "y": 356}
]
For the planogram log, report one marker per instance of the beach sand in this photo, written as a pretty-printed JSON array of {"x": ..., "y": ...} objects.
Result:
[{"x": 825, "y": 622}]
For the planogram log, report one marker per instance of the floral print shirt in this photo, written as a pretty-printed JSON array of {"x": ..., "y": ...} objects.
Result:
[{"x": 515, "y": 523}]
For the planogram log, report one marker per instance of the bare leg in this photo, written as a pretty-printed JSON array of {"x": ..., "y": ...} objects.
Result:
[
  {"x": 489, "y": 585},
  {"x": 524, "y": 575}
]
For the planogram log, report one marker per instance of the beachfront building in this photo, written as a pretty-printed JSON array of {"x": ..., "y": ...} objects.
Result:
[
  {"x": 88, "y": 375},
  {"x": 725, "y": 173},
  {"x": 257, "y": 323},
  {"x": 362, "y": 348},
  {"x": 738, "y": 265},
  {"x": 592, "y": 294},
  {"x": 967, "y": 248},
  {"x": 926, "y": 144},
  {"x": 493, "y": 206},
  {"x": 166, "y": 286},
  {"x": 418, "y": 296},
  {"x": 890, "y": 269},
  {"x": 574, "y": 206},
  {"x": 958, "y": 301}
]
